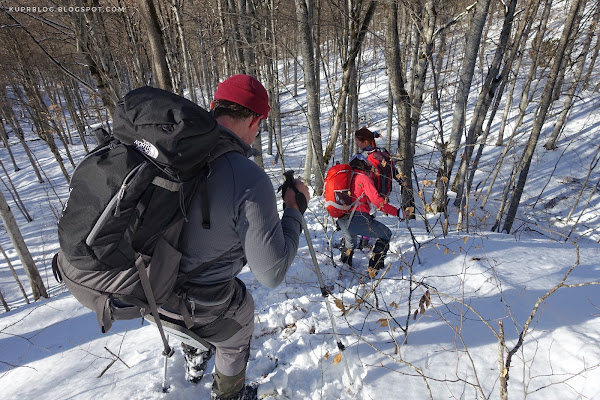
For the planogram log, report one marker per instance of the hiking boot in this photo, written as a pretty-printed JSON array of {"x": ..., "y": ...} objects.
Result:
[
  {"x": 363, "y": 243},
  {"x": 248, "y": 392},
  {"x": 195, "y": 362},
  {"x": 346, "y": 256},
  {"x": 379, "y": 251}
]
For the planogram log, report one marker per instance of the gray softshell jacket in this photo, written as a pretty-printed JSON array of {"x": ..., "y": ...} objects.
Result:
[{"x": 244, "y": 226}]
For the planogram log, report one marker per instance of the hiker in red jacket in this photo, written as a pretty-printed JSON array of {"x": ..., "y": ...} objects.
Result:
[{"x": 360, "y": 222}]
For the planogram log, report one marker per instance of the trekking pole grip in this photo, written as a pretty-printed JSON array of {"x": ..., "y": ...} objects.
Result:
[{"x": 290, "y": 183}]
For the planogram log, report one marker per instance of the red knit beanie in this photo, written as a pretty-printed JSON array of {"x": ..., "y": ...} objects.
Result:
[{"x": 246, "y": 91}]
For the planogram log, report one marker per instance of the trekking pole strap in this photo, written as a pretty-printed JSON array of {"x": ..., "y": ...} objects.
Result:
[{"x": 140, "y": 264}]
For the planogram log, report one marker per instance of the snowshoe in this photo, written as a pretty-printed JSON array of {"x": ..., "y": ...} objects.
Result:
[{"x": 195, "y": 362}]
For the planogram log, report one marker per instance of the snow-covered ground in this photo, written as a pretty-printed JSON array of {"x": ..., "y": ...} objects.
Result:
[{"x": 53, "y": 349}]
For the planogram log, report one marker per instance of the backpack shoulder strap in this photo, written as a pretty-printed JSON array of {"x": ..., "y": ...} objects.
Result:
[{"x": 225, "y": 145}]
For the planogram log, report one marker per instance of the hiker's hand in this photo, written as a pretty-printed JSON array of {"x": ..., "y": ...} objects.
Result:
[
  {"x": 407, "y": 212},
  {"x": 289, "y": 197}
]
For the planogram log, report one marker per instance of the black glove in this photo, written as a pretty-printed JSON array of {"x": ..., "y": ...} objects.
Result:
[{"x": 290, "y": 183}]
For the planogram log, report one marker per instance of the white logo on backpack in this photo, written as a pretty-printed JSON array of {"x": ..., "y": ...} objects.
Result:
[{"x": 146, "y": 147}]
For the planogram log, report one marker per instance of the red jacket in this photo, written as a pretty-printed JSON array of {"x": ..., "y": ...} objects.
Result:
[{"x": 362, "y": 185}]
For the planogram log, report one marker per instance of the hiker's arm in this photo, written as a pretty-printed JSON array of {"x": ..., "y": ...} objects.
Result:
[
  {"x": 270, "y": 244},
  {"x": 375, "y": 198}
]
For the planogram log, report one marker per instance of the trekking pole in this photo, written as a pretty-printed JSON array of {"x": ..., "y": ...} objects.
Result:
[
  {"x": 412, "y": 236},
  {"x": 289, "y": 183},
  {"x": 165, "y": 386}
]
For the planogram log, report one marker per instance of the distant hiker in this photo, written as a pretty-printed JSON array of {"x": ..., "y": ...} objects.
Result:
[
  {"x": 359, "y": 221},
  {"x": 371, "y": 183},
  {"x": 238, "y": 225},
  {"x": 379, "y": 158}
]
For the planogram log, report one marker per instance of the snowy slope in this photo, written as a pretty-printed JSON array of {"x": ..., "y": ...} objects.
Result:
[{"x": 53, "y": 349}]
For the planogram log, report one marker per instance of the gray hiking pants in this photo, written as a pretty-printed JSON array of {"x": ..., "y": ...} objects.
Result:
[
  {"x": 228, "y": 327},
  {"x": 362, "y": 224}
]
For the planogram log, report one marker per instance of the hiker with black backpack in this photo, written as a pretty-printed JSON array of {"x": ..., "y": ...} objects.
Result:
[
  {"x": 240, "y": 227},
  {"x": 164, "y": 214}
]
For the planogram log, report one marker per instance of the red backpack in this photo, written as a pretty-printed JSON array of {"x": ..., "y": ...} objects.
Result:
[
  {"x": 337, "y": 190},
  {"x": 383, "y": 171}
]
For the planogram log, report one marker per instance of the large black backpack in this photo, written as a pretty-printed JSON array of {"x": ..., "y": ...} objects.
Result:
[{"x": 121, "y": 223}]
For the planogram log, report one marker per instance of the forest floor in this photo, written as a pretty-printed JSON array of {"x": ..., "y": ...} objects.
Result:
[{"x": 53, "y": 349}]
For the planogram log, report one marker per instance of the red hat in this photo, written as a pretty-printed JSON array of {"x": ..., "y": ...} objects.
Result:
[{"x": 246, "y": 91}]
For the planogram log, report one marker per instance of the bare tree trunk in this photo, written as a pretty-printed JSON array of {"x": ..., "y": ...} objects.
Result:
[
  {"x": 275, "y": 103},
  {"x": 16, "y": 197},
  {"x": 390, "y": 117},
  {"x": 74, "y": 116},
  {"x": 593, "y": 58},
  {"x": 8, "y": 114},
  {"x": 484, "y": 100},
  {"x": 4, "y": 136},
  {"x": 439, "y": 63},
  {"x": 537, "y": 43},
  {"x": 540, "y": 116},
  {"x": 8, "y": 219},
  {"x": 4, "y": 303},
  {"x": 509, "y": 100},
  {"x": 295, "y": 92},
  {"x": 524, "y": 101},
  {"x": 592, "y": 192},
  {"x": 401, "y": 100},
  {"x": 171, "y": 44},
  {"x": 176, "y": 6},
  {"x": 92, "y": 42},
  {"x": 36, "y": 110},
  {"x": 593, "y": 164},
  {"x": 312, "y": 94},
  {"x": 348, "y": 66},
  {"x": 205, "y": 69},
  {"x": 578, "y": 72},
  {"x": 458, "y": 119},
  {"x": 133, "y": 40},
  {"x": 52, "y": 118},
  {"x": 516, "y": 53},
  {"x": 308, "y": 160},
  {"x": 235, "y": 23},
  {"x": 157, "y": 45},
  {"x": 353, "y": 110},
  {"x": 221, "y": 18},
  {"x": 425, "y": 48},
  {"x": 14, "y": 274}
]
